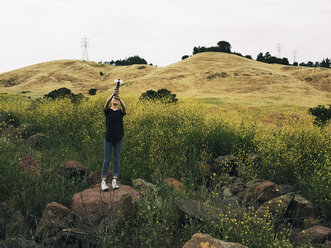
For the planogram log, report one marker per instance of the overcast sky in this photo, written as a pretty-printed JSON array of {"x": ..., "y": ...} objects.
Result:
[{"x": 34, "y": 31}]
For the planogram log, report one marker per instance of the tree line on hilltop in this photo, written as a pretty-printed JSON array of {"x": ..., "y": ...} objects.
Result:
[{"x": 225, "y": 47}]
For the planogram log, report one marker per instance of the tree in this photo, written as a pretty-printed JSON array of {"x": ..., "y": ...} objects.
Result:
[
  {"x": 326, "y": 63},
  {"x": 224, "y": 46},
  {"x": 131, "y": 61},
  {"x": 260, "y": 57},
  {"x": 185, "y": 57}
]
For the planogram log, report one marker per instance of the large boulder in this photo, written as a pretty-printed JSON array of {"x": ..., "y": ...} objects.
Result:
[
  {"x": 60, "y": 225},
  {"x": 316, "y": 234},
  {"x": 72, "y": 168},
  {"x": 29, "y": 164},
  {"x": 93, "y": 204},
  {"x": 200, "y": 240},
  {"x": 54, "y": 219},
  {"x": 197, "y": 210},
  {"x": 277, "y": 206},
  {"x": 257, "y": 191}
]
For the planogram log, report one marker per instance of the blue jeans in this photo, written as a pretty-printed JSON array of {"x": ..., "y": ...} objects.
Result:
[{"x": 108, "y": 148}]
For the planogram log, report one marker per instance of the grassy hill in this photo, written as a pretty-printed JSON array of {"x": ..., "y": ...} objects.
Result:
[{"x": 219, "y": 76}]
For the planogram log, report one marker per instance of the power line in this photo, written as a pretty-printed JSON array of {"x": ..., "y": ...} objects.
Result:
[{"x": 85, "y": 44}]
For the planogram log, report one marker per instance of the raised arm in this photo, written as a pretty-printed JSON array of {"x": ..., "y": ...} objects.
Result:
[
  {"x": 122, "y": 103},
  {"x": 109, "y": 100}
]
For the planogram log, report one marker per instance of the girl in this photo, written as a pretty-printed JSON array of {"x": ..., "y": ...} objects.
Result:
[{"x": 114, "y": 137}]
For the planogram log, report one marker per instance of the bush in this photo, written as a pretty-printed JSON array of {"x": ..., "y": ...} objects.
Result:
[
  {"x": 162, "y": 95},
  {"x": 322, "y": 114},
  {"x": 65, "y": 93},
  {"x": 92, "y": 92}
]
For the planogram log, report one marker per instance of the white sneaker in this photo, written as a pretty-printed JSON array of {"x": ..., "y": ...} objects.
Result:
[
  {"x": 104, "y": 185},
  {"x": 114, "y": 184}
]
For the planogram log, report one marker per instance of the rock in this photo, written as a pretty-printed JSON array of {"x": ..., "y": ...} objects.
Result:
[
  {"x": 327, "y": 244},
  {"x": 94, "y": 205},
  {"x": 266, "y": 191},
  {"x": 124, "y": 210},
  {"x": 29, "y": 164},
  {"x": 300, "y": 210},
  {"x": 226, "y": 163},
  {"x": 176, "y": 184},
  {"x": 257, "y": 192},
  {"x": 72, "y": 168},
  {"x": 277, "y": 206},
  {"x": 310, "y": 221},
  {"x": 54, "y": 219},
  {"x": 237, "y": 186},
  {"x": 249, "y": 195},
  {"x": 232, "y": 202},
  {"x": 196, "y": 209},
  {"x": 96, "y": 177},
  {"x": 14, "y": 134},
  {"x": 60, "y": 226},
  {"x": 6, "y": 213},
  {"x": 143, "y": 187},
  {"x": 35, "y": 140},
  {"x": 9, "y": 131},
  {"x": 16, "y": 226},
  {"x": 8, "y": 119},
  {"x": 316, "y": 234},
  {"x": 200, "y": 240}
]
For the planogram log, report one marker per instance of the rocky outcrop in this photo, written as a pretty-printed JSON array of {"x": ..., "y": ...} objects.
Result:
[
  {"x": 200, "y": 240},
  {"x": 94, "y": 205}
]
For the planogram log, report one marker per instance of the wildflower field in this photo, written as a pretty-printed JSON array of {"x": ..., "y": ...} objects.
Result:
[{"x": 161, "y": 141}]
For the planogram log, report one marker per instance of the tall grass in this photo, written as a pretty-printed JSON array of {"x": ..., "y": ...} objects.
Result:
[{"x": 161, "y": 141}]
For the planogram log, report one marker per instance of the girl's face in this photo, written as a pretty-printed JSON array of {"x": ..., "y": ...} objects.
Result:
[{"x": 115, "y": 101}]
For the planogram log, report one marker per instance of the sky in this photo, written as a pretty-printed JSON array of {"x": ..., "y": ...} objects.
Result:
[{"x": 35, "y": 31}]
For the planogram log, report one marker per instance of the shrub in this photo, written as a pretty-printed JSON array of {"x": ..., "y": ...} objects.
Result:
[
  {"x": 92, "y": 92},
  {"x": 65, "y": 93},
  {"x": 162, "y": 95},
  {"x": 322, "y": 114}
]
